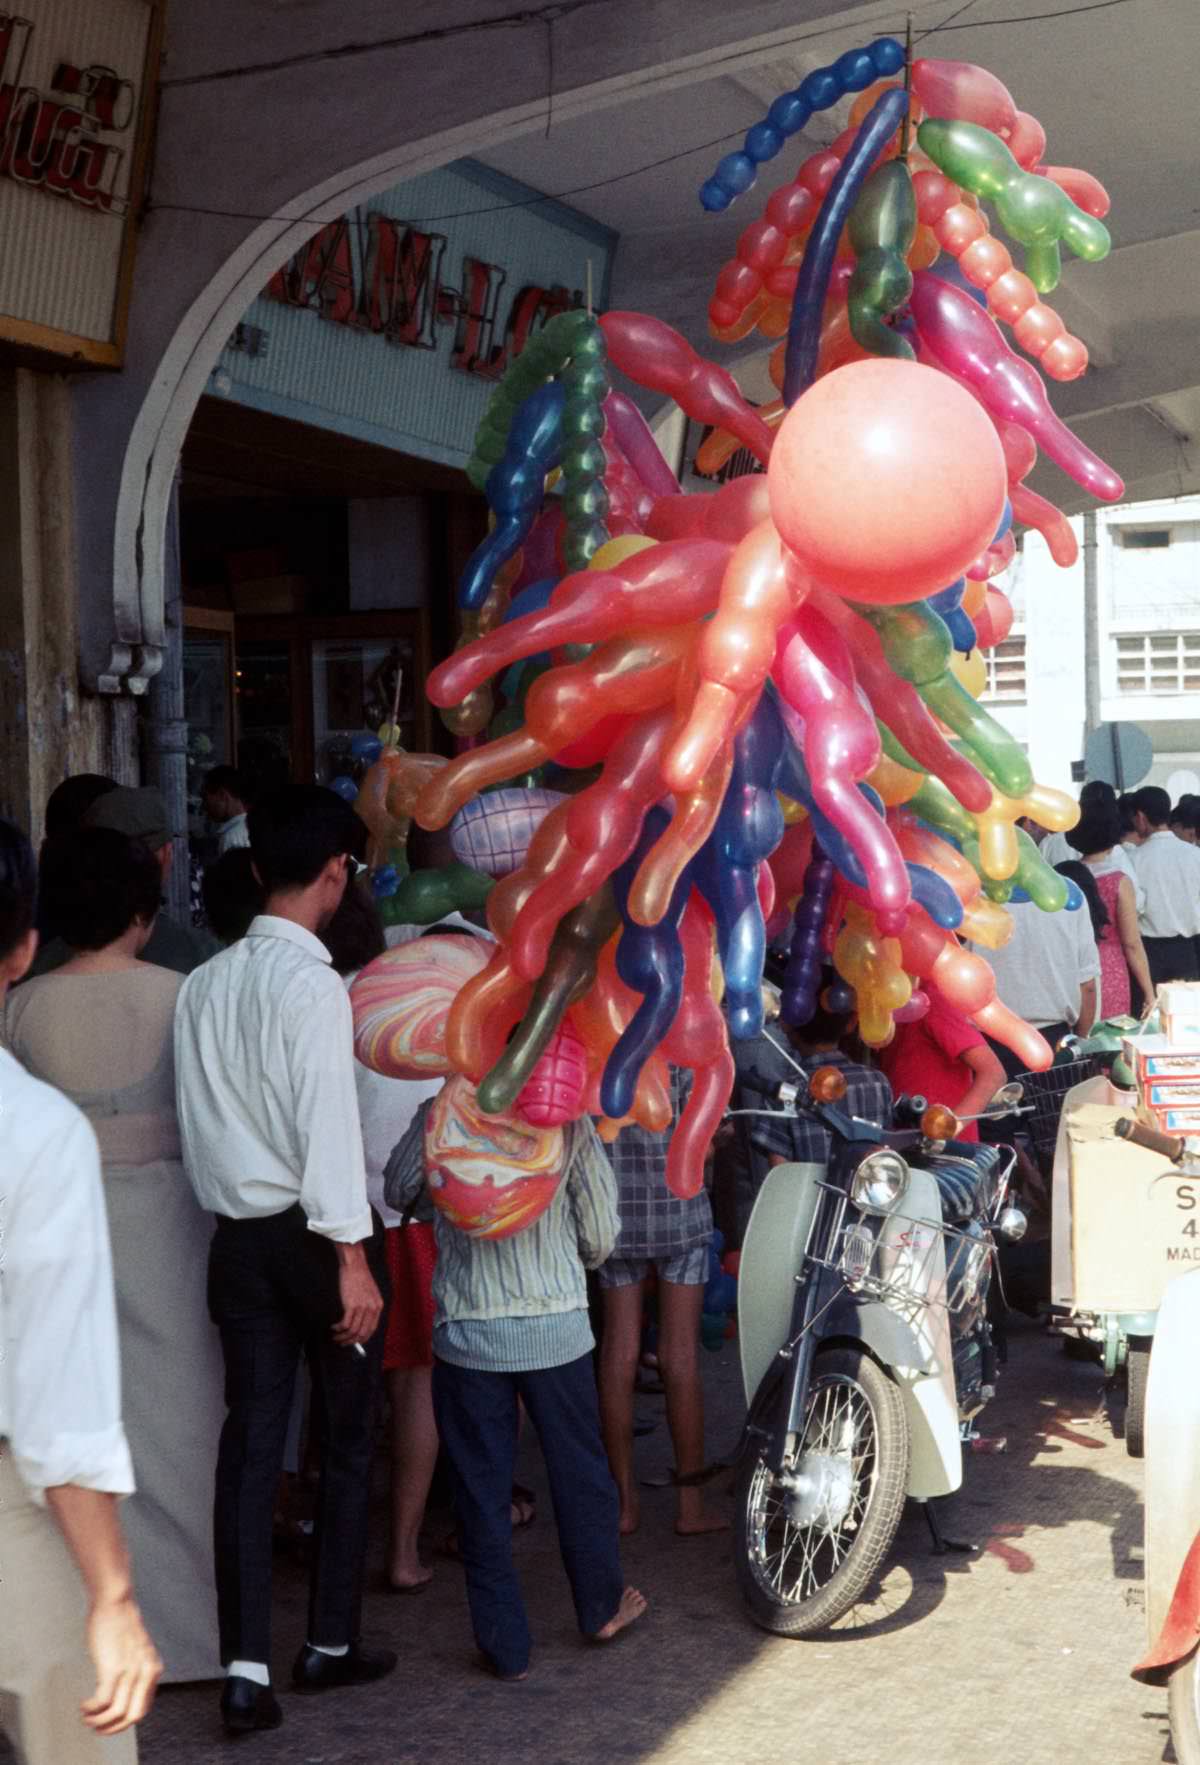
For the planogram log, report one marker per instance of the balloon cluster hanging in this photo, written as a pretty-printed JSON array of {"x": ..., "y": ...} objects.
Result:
[{"x": 758, "y": 708}]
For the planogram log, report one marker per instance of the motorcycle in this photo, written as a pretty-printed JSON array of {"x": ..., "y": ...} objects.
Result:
[{"x": 865, "y": 1342}]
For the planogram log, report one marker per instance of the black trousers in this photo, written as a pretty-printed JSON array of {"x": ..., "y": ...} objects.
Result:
[
  {"x": 1172, "y": 959},
  {"x": 273, "y": 1295}
]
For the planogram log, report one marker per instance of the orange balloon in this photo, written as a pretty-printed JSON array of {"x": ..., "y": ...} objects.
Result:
[
  {"x": 887, "y": 480},
  {"x": 1065, "y": 359},
  {"x": 985, "y": 260},
  {"x": 974, "y": 596}
]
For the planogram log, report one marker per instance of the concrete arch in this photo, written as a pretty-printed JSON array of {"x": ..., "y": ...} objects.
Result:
[{"x": 204, "y": 255}]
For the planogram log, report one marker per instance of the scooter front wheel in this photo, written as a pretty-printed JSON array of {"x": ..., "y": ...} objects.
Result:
[
  {"x": 1184, "y": 1704},
  {"x": 810, "y": 1539}
]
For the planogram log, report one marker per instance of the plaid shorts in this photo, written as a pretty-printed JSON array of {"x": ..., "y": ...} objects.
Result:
[{"x": 687, "y": 1268}]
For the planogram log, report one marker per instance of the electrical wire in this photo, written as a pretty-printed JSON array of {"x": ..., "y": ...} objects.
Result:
[
  {"x": 532, "y": 201},
  {"x": 380, "y": 45}
]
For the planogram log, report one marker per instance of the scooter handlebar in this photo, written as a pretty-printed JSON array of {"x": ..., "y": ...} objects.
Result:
[{"x": 1167, "y": 1145}]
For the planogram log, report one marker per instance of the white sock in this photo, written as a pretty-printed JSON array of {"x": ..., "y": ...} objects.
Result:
[
  {"x": 322, "y": 1650},
  {"x": 257, "y": 1671}
]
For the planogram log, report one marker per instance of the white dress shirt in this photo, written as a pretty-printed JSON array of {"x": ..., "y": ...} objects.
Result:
[
  {"x": 60, "y": 1368},
  {"x": 1041, "y": 969},
  {"x": 264, "y": 1074},
  {"x": 232, "y": 833},
  {"x": 1169, "y": 873}
]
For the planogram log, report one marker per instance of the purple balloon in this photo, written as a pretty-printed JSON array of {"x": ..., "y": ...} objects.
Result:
[{"x": 632, "y": 434}]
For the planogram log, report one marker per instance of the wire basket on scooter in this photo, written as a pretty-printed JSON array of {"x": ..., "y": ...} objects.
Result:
[
  {"x": 1046, "y": 1091},
  {"x": 899, "y": 1260}
]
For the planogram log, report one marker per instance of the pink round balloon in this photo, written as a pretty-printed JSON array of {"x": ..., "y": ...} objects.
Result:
[{"x": 886, "y": 481}]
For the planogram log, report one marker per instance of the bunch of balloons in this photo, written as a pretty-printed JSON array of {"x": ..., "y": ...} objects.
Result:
[{"x": 754, "y": 714}]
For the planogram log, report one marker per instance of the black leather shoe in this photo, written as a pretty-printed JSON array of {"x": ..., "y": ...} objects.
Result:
[
  {"x": 246, "y": 1706},
  {"x": 314, "y": 1671}
]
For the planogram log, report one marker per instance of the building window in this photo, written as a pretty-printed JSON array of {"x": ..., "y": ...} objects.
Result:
[
  {"x": 1143, "y": 539},
  {"x": 1158, "y": 661},
  {"x": 1006, "y": 672}
]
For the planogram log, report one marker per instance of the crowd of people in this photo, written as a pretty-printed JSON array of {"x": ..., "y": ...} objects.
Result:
[
  {"x": 211, "y": 1171},
  {"x": 195, "y": 1094}
]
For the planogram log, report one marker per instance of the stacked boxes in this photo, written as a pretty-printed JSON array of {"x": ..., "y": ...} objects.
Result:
[{"x": 1167, "y": 1066}]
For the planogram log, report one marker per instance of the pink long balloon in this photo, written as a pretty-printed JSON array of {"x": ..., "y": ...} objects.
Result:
[
  {"x": 656, "y": 356},
  {"x": 969, "y": 345},
  {"x": 960, "y": 89},
  {"x": 638, "y": 445},
  {"x": 840, "y": 744}
]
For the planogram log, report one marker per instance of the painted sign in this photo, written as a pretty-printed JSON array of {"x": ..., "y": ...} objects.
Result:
[
  {"x": 75, "y": 79},
  {"x": 372, "y": 272},
  {"x": 455, "y": 270}
]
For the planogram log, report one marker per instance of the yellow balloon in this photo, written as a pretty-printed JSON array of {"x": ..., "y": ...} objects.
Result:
[
  {"x": 970, "y": 671},
  {"x": 895, "y": 783},
  {"x": 615, "y": 551},
  {"x": 792, "y": 811}
]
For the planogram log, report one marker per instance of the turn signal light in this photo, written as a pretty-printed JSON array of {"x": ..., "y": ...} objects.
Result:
[
  {"x": 827, "y": 1085},
  {"x": 939, "y": 1123}
]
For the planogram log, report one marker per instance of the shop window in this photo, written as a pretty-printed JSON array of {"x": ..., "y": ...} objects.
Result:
[
  {"x": 1143, "y": 539},
  {"x": 1158, "y": 661},
  {"x": 1006, "y": 672}
]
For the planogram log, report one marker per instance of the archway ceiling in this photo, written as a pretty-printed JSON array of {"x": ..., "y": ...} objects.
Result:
[{"x": 1115, "y": 89}]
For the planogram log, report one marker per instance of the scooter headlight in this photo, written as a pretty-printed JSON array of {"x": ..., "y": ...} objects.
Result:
[{"x": 879, "y": 1181}]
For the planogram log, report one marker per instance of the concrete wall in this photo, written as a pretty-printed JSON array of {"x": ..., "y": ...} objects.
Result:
[{"x": 260, "y": 119}]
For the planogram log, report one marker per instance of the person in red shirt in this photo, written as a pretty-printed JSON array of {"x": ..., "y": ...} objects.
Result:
[{"x": 944, "y": 1059}]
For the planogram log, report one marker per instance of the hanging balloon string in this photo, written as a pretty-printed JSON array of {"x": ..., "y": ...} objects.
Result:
[{"x": 804, "y": 331}]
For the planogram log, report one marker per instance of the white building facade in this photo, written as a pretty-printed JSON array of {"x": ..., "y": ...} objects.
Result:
[{"x": 1147, "y": 563}]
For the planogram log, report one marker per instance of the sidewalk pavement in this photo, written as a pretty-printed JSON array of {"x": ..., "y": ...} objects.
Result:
[{"x": 1020, "y": 1653}]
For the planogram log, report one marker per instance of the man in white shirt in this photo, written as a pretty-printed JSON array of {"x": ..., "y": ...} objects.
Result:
[
  {"x": 224, "y": 798},
  {"x": 1168, "y": 870},
  {"x": 1048, "y": 973},
  {"x": 264, "y": 1067},
  {"x": 64, "y": 1460}
]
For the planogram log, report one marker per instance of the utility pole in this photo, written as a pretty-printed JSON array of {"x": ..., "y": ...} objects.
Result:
[{"x": 1091, "y": 623}]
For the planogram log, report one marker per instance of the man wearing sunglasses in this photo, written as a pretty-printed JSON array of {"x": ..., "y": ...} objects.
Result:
[{"x": 271, "y": 1139}]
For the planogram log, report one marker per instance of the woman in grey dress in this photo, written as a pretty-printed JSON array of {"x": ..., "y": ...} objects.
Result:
[{"x": 100, "y": 1029}]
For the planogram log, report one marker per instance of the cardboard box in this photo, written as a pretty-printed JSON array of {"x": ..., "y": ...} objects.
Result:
[
  {"x": 1172, "y": 1093},
  {"x": 1179, "y": 1008},
  {"x": 1135, "y": 1219},
  {"x": 1176, "y": 1121},
  {"x": 1158, "y": 1057}
]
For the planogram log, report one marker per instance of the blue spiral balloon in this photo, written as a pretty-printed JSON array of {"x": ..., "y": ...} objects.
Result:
[{"x": 852, "y": 72}]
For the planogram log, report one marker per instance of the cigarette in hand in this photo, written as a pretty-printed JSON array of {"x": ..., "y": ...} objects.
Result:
[{"x": 359, "y": 1349}]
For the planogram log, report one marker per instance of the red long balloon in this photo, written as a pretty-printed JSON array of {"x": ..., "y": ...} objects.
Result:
[{"x": 656, "y": 356}]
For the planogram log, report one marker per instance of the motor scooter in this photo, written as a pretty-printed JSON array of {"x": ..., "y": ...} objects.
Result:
[
  {"x": 865, "y": 1345},
  {"x": 1172, "y": 1490}
]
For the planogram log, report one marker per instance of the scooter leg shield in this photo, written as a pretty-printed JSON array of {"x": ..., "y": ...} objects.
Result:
[{"x": 772, "y": 1254}]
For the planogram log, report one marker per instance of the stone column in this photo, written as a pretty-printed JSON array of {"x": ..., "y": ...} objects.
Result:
[
  {"x": 49, "y": 728},
  {"x": 164, "y": 729}
]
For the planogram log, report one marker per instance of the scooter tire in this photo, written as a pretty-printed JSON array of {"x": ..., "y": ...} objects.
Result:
[
  {"x": 1137, "y": 1371},
  {"x": 1183, "y": 1700},
  {"x": 853, "y": 1374}
]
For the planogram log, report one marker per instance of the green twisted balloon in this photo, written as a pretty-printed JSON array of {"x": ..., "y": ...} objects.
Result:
[
  {"x": 1033, "y": 210},
  {"x": 882, "y": 226}
]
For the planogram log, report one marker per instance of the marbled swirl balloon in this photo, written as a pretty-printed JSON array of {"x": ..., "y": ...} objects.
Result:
[
  {"x": 489, "y": 1175},
  {"x": 492, "y": 832},
  {"x": 401, "y": 1001}
]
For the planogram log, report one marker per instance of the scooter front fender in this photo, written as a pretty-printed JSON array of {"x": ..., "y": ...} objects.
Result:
[{"x": 1172, "y": 1485}]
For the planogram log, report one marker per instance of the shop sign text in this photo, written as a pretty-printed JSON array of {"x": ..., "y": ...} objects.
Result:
[
  {"x": 61, "y": 141},
  {"x": 373, "y": 273}
]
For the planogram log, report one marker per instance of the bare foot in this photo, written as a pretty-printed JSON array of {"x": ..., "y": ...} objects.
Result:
[
  {"x": 696, "y": 1521},
  {"x": 402, "y": 1580},
  {"x": 630, "y": 1515},
  {"x": 631, "y": 1608},
  {"x": 489, "y": 1666}
]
